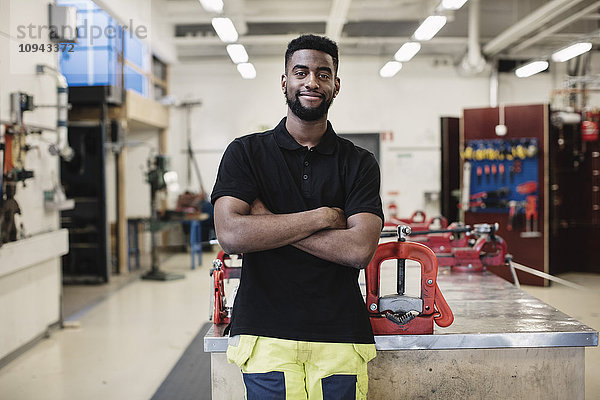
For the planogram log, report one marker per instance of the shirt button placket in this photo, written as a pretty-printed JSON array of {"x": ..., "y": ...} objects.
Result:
[{"x": 306, "y": 172}]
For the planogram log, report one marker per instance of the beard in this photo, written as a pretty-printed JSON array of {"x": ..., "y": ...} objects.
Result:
[{"x": 307, "y": 113}]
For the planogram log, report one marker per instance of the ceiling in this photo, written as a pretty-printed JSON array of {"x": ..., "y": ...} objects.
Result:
[{"x": 508, "y": 29}]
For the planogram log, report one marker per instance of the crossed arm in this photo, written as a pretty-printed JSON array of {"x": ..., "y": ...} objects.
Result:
[{"x": 323, "y": 232}]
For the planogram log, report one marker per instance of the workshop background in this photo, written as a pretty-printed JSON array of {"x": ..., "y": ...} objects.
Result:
[{"x": 93, "y": 127}]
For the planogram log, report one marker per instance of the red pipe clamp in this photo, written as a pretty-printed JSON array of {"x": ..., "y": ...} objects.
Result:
[{"x": 399, "y": 321}]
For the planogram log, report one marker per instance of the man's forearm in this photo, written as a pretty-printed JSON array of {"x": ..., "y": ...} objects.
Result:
[
  {"x": 352, "y": 247},
  {"x": 241, "y": 229},
  {"x": 248, "y": 233}
]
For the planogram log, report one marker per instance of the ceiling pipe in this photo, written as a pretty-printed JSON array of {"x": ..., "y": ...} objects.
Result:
[
  {"x": 494, "y": 95},
  {"x": 234, "y": 9},
  {"x": 473, "y": 62},
  {"x": 555, "y": 28},
  {"x": 527, "y": 25},
  {"x": 61, "y": 147}
]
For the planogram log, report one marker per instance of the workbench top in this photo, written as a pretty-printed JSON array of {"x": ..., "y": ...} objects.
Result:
[{"x": 489, "y": 312}]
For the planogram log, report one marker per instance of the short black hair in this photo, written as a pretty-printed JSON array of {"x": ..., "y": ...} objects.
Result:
[{"x": 313, "y": 42}]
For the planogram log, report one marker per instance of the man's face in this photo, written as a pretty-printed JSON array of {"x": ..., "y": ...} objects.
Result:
[{"x": 310, "y": 84}]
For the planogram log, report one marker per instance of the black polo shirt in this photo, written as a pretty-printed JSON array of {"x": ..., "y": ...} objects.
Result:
[{"x": 285, "y": 292}]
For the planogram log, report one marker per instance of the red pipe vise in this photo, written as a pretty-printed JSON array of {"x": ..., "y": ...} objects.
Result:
[
  {"x": 219, "y": 311},
  {"x": 398, "y": 314},
  {"x": 480, "y": 247},
  {"x": 443, "y": 243},
  {"x": 418, "y": 221}
]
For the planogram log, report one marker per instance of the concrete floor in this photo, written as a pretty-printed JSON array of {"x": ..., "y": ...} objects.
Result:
[
  {"x": 583, "y": 306},
  {"x": 123, "y": 341}
]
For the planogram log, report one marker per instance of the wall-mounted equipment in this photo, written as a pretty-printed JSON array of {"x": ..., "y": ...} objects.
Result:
[
  {"x": 62, "y": 21},
  {"x": 504, "y": 180},
  {"x": 15, "y": 146}
]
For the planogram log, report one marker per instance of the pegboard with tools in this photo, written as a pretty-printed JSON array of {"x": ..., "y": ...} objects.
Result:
[
  {"x": 504, "y": 179},
  {"x": 519, "y": 153}
]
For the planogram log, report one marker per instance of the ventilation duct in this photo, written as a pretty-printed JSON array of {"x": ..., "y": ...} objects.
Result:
[{"x": 473, "y": 62}]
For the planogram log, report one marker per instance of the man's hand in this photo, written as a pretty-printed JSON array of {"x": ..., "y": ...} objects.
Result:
[
  {"x": 259, "y": 208},
  {"x": 337, "y": 218},
  {"x": 352, "y": 246}
]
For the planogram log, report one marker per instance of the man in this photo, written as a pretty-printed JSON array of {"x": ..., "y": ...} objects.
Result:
[{"x": 303, "y": 206}]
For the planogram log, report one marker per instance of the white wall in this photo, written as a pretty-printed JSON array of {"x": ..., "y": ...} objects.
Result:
[
  {"x": 30, "y": 299},
  {"x": 409, "y": 104}
]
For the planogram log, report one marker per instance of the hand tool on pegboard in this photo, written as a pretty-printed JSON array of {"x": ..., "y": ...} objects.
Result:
[
  {"x": 528, "y": 187},
  {"x": 512, "y": 213},
  {"x": 531, "y": 214},
  {"x": 398, "y": 314},
  {"x": 489, "y": 199}
]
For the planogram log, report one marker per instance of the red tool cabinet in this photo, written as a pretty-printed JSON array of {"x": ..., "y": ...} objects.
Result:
[{"x": 547, "y": 205}]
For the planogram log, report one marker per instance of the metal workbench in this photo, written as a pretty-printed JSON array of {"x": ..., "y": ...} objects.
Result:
[{"x": 503, "y": 344}]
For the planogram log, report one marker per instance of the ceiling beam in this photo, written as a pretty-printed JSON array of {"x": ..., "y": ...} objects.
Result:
[
  {"x": 527, "y": 25},
  {"x": 198, "y": 18},
  {"x": 337, "y": 18},
  {"x": 595, "y": 16},
  {"x": 284, "y": 40}
]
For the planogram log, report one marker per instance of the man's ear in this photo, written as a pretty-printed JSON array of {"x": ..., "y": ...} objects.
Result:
[
  {"x": 283, "y": 82},
  {"x": 337, "y": 86}
]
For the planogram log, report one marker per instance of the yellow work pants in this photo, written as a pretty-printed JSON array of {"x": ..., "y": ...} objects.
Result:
[{"x": 296, "y": 370}]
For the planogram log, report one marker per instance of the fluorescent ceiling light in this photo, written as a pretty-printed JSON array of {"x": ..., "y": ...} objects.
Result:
[
  {"x": 407, "y": 51},
  {"x": 225, "y": 29},
  {"x": 430, "y": 27},
  {"x": 452, "y": 4},
  {"x": 390, "y": 69},
  {"x": 531, "y": 69},
  {"x": 238, "y": 53},
  {"x": 214, "y": 6},
  {"x": 247, "y": 70},
  {"x": 571, "y": 51}
]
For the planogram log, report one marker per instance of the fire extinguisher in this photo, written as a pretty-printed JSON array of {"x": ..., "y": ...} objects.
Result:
[{"x": 589, "y": 127}]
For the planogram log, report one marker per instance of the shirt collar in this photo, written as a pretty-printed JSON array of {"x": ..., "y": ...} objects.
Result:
[{"x": 286, "y": 141}]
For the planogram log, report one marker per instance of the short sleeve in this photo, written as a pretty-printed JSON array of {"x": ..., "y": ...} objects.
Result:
[
  {"x": 364, "y": 193},
  {"x": 235, "y": 176}
]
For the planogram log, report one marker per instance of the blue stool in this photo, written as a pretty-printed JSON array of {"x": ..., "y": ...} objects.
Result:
[
  {"x": 195, "y": 240},
  {"x": 133, "y": 247}
]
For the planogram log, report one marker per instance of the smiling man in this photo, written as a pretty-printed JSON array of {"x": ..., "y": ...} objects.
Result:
[{"x": 303, "y": 206}]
